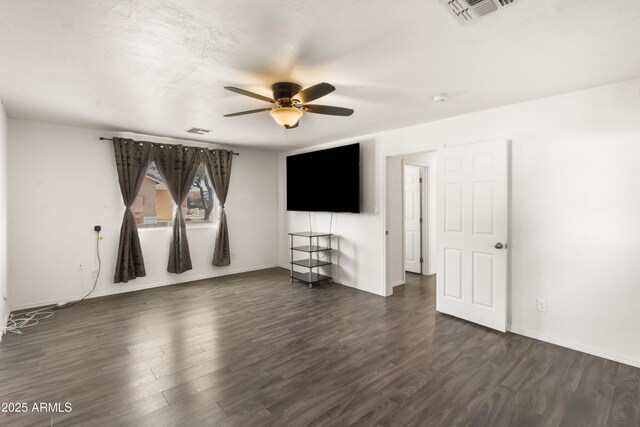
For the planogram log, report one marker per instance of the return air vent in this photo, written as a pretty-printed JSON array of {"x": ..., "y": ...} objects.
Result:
[
  {"x": 470, "y": 10},
  {"x": 199, "y": 131}
]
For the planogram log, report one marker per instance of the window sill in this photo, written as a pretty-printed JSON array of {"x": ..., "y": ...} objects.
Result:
[
  {"x": 194, "y": 226},
  {"x": 189, "y": 227}
]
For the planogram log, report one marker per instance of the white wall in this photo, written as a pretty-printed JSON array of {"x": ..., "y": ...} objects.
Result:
[
  {"x": 575, "y": 231},
  {"x": 64, "y": 181},
  {"x": 4, "y": 304},
  {"x": 355, "y": 248}
]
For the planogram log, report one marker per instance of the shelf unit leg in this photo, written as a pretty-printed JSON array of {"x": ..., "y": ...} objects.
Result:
[
  {"x": 311, "y": 259},
  {"x": 330, "y": 260}
]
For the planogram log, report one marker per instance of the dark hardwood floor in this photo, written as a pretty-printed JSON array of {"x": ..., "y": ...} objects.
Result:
[{"x": 253, "y": 349}]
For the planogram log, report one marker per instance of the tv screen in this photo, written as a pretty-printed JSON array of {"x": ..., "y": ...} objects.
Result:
[{"x": 325, "y": 180}]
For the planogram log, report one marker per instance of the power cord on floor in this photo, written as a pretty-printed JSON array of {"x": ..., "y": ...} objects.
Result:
[
  {"x": 95, "y": 282},
  {"x": 26, "y": 320},
  {"x": 32, "y": 318}
]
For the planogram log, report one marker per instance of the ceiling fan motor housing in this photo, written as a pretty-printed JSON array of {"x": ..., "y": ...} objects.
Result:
[{"x": 283, "y": 92}]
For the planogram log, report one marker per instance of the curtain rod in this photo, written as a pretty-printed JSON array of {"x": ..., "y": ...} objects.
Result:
[{"x": 156, "y": 143}]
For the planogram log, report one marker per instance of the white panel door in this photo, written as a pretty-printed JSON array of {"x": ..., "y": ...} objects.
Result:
[
  {"x": 471, "y": 236},
  {"x": 412, "y": 218}
]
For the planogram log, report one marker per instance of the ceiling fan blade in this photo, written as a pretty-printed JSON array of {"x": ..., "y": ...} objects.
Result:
[
  {"x": 328, "y": 110},
  {"x": 242, "y": 113},
  {"x": 314, "y": 92},
  {"x": 250, "y": 94}
]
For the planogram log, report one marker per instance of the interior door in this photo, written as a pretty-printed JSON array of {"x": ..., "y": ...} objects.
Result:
[
  {"x": 472, "y": 227},
  {"x": 412, "y": 219}
]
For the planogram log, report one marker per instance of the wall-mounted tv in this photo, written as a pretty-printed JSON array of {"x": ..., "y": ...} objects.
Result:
[{"x": 325, "y": 180}]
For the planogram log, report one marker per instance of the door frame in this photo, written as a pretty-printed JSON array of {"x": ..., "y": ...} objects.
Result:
[
  {"x": 424, "y": 214},
  {"x": 385, "y": 156}
]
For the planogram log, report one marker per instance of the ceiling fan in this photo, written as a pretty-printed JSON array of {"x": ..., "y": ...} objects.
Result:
[{"x": 290, "y": 102}]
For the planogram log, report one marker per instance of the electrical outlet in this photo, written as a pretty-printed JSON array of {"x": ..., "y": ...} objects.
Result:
[
  {"x": 80, "y": 266},
  {"x": 234, "y": 255},
  {"x": 541, "y": 305}
]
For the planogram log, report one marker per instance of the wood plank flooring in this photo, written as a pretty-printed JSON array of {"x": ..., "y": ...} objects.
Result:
[{"x": 254, "y": 349}]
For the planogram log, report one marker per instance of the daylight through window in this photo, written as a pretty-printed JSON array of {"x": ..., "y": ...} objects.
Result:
[{"x": 154, "y": 206}]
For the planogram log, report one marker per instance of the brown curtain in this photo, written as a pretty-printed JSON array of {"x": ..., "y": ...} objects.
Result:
[
  {"x": 218, "y": 163},
  {"x": 178, "y": 166},
  {"x": 132, "y": 161}
]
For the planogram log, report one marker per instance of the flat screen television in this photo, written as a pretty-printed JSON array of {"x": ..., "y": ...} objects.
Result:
[{"x": 325, "y": 180}]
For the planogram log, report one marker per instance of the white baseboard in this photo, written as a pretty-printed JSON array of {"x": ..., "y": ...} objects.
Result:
[
  {"x": 129, "y": 287},
  {"x": 340, "y": 282},
  {"x": 397, "y": 283},
  {"x": 631, "y": 361},
  {"x": 351, "y": 285}
]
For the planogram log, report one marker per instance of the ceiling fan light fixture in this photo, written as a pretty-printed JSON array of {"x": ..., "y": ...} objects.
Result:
[
  {"x": 289, "y": 103},
  {"x": 286, "y": 116}
]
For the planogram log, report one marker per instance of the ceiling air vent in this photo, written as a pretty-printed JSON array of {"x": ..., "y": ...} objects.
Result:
[
  {"x": 470, "y": 10},
  {"x": 199, "y": 131}
]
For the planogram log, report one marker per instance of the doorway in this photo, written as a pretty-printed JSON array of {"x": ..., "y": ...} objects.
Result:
[
  {"x": 410, "y": 216},
  {"x": 413, "y": 215}
]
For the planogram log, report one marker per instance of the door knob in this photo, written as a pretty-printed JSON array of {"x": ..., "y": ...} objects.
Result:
[{"x": 499, "y": 245}]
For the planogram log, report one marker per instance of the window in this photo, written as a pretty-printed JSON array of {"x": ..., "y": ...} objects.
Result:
[{"x": 154, "y": 206}]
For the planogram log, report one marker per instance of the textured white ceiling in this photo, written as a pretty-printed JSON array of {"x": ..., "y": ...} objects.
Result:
[{"x": 158, "y": 67}]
